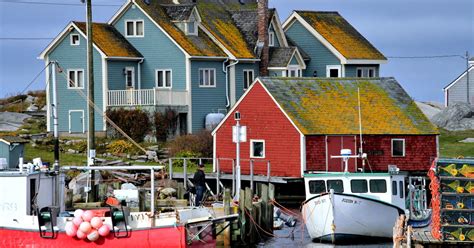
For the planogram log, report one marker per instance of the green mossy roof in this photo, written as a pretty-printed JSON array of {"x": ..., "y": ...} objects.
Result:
[
  {"x": 109, "y": 40},
  {"x": 330, "y": 106},
  {"x": 341, "y": 34}
]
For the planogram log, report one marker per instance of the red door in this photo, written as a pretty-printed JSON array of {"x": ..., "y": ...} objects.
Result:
[{"x": 334, "y": 145}]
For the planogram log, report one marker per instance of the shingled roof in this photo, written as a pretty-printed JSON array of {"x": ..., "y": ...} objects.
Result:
[
  {"x": 200, "y": 45},
  {"x": 280, "y": 56},
  {"x": 329, "y": 106},
  {"x": 341, "y": 34},
  {"x": 109, "y": 40},
  {"x": 12, "y": 139}
]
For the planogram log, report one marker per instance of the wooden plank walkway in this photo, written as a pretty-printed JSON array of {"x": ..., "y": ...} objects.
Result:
[{"x": 256, "y": 178}]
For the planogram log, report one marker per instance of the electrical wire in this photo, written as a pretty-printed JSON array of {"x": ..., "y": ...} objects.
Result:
[
  {"x": 25, "y": 38},
  {"x": 56, "y": 3},
  {"x": 427, "y": 57}
]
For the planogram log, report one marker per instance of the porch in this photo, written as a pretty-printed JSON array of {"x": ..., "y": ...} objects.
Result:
[{"x": 146, "y": 97}]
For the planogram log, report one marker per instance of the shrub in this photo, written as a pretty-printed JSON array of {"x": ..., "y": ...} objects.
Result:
[
  {"x": 118, "y": 147},
  {"x": 165, "y": 124},
  {"x": 134, "y": 122},
  {"x": 200, "y": 144}
]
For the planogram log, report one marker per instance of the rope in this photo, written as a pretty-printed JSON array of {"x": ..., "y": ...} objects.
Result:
[
  {"x": 98, "y": 110},
  {"x": 435, "y": 202}
]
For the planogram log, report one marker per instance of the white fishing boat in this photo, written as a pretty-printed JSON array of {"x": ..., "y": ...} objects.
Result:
[{"x": 343, "y": 207}]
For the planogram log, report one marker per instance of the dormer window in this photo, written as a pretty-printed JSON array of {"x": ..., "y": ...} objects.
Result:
[
  {"x": 75, "y": 41},
  {"x": 271, "y": 38},
  {"x": 191, "y": 28}
]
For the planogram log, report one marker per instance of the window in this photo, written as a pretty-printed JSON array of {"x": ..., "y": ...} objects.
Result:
[
  {"x": 378, "y": 186},
  {"x": 257, "y": 148},
  {"x": 75, "y": 77},
  {"x": 129, "y": 73},
  {"x": 398, "y": 147},
  {"x": 333, "y": 71},
  {"x": 75, "y": 41},
  {"x": 394, "y": 188},
  {"x": 271, "y": 38},
  {"x": 317, "y": 186},
  {"x": 134, "y": 28},
  {"x": 293, "y": 72},
  {"x": 207, "y": 77},
  {"x": 336, "y": 185},
  {"x": 248, "y": 78},
  {"x": 367, "y": 72},
  {"x": 400, "y": 184},
  {"x": 164, "y": 78},
  {"x": 359, "y": 186},
  {"x": 191, "y": 28}
]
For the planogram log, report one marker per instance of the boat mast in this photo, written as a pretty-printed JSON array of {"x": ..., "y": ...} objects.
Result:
[
  {"x": 90, "y": 100},
  {"x": 361, "y": 150}
]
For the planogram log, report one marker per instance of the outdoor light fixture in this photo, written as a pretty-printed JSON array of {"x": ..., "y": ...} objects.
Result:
[
  {"x": 315, "y": 73},
  {"x": 237, "y": 115}
]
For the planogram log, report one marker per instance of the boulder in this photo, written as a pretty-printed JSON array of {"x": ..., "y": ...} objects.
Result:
[
  {"x": 10, "y": 121},
  {"x": 467, "y": 140},
  {"x": 430, "y": 109},
  {"x": 457, "y": 117},
  {"x": 32, "y": 108}
]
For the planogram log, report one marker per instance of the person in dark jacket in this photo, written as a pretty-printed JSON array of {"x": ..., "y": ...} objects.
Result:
[{"x": 200, "y": 184}]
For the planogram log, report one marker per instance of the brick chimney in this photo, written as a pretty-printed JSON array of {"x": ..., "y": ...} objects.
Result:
[{"x": 262, "y": 26}]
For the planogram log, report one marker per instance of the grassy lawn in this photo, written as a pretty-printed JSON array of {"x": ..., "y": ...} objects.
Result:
[
  {"x": 48, "y": 156},
  {"x": 449, "y": 145}
]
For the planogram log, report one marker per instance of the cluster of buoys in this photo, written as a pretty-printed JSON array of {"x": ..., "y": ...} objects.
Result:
[{"x": 86, "y": 225}]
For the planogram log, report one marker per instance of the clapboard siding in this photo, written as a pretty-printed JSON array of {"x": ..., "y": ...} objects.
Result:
[
  {"x": 239, "y": 76},
  {"x": 158, "y": 50},
  {"x": 320, "y": 55},
  {"x": 458, "y": 91},
  {"x": 206, "y": 100},
  {"x": 116, "y": 77},
  {"x": 74, "y": 57}
]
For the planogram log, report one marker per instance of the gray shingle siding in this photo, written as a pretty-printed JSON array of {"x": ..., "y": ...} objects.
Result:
[{"x": 458, "y": 91}]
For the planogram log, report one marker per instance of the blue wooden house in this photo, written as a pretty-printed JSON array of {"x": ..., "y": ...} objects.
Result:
[
  {"x": 11, "y": 149},
  {"x": 196, "y": 57}
]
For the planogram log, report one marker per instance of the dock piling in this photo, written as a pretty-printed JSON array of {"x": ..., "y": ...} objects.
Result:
[
  {"x": 170, "y": 164},
  {"x": 268, "y": 171},
  {"x": 251, "y": 174},
  {"x": 185, "y": 172}
]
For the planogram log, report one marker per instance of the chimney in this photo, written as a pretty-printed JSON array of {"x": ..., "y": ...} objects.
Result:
[{"x": 262, "y": 26}]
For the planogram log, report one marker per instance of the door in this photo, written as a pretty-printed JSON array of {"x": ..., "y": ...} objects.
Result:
[
  {"x": 334, "y": 146},
  {"x": 76, "y": 121}
]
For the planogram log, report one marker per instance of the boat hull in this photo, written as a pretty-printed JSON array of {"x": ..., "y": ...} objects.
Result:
[
  {"x": 150, "y": 237},
  {"x": 341, "y": 218}
]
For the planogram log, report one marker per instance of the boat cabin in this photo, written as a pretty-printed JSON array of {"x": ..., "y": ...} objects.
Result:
[{"x": 385, "y": 187}]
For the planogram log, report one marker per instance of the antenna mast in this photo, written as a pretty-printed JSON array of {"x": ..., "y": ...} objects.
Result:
[{"x": 361, "y": 150}]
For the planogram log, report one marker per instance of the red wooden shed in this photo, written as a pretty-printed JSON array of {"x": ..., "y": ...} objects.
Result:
[{"x": 299, "y": 123}]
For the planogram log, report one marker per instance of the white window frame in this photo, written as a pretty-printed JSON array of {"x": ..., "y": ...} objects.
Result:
[
  {"x": 164, "y": 78},
  {"x": 271, "y": 38},
  {"x": 252, "y": 141},
  {"x": 71, "y": 40},
  {"x": 246, "y": 77},
  {"x": 213, "y": 70},
  {"x": 126, "y": 70},
  {"x": 296, "y": 69},
  {"x": 134, "y": 33},
  {"x": 75, "y": 78},
  {"x": 331, "y": 67},
  {"x": 404, "y": 147},
  {"x": 195, "y": 31},
  {"x": 366, "y": 71}
]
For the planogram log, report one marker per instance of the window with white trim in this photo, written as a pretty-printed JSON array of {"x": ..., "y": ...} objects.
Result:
[
  {"x": 271, "y": 38},
  {"x": 75, "y": 78},
  {"x": 129, "y": 73},
  {"x": 164, "y": 78},
  {"x": 398, "y": 147},
  {"x": 293, "y": 72},
  {"x": 191, "y": 28},
  {"x": 248, "y": 78},
  {"x": 75, "y": 40},
  {"x": 134, "y": 28},
  {"x": 333, "y": 71},
  {"x": 207, "y": 77},
  {"x": 257, "y": 148},
  {"x": 366, "y": 72}
]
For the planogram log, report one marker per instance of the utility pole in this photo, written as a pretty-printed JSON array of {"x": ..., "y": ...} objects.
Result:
[
  {"x": 54, "y": 107},
  {"x": 90, "y": 102},
  {"x": 467, "y": 78}
]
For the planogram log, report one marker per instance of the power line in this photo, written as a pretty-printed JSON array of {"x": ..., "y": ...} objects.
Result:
[
  {"x": 34, "y": 79},
  {"x": 25, "y": 38},
  {"x": 56, "y": 3},
  {"x": 427, "y": 57}
]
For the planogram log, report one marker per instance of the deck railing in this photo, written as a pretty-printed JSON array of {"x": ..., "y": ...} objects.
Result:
[{"x": 146, "y": 97}]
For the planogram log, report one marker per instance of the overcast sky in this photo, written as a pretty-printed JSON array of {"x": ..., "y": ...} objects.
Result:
[{"x": 395, "y": 27}]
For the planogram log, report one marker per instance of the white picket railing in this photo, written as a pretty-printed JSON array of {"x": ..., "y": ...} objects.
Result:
[{"x": 150, "y": 97}]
